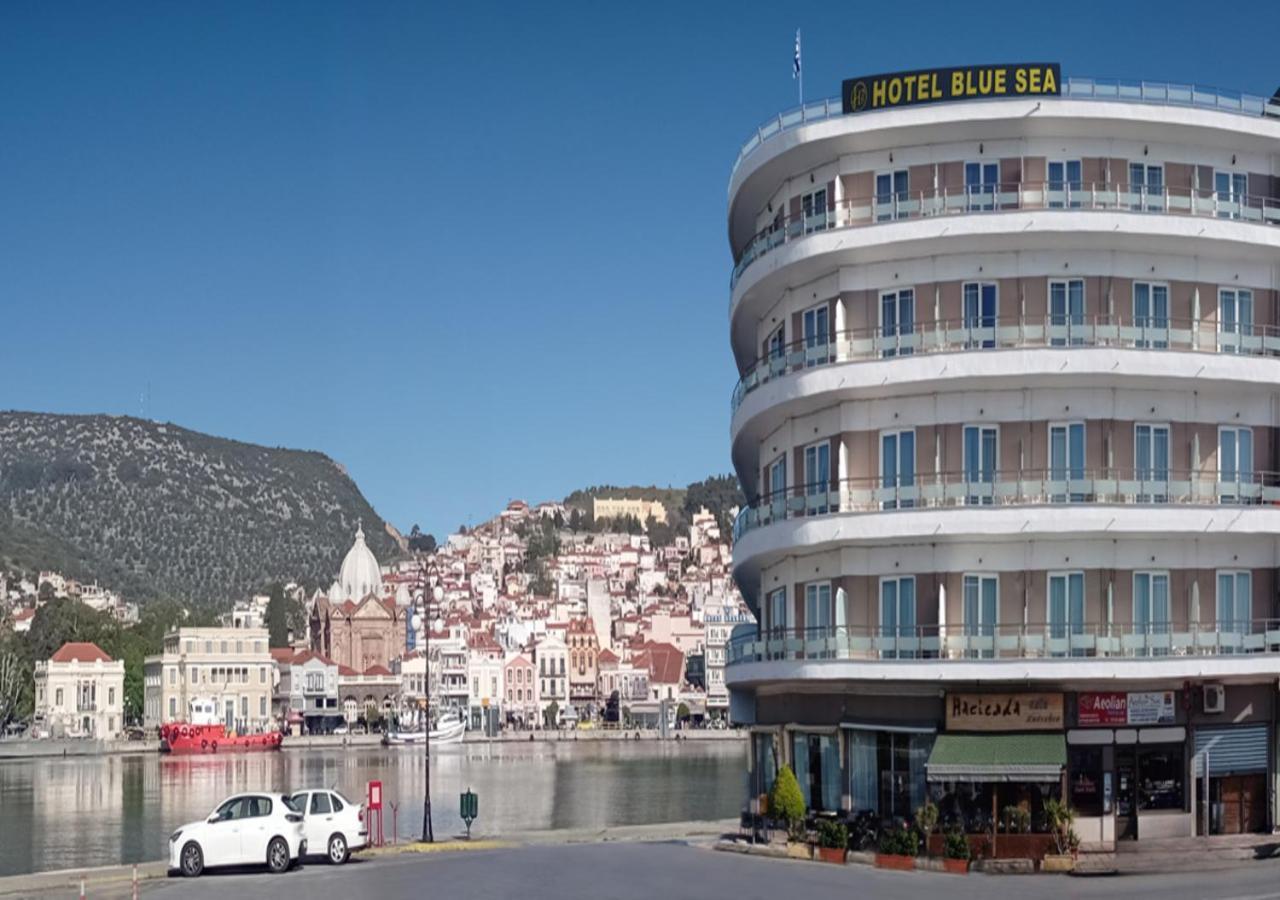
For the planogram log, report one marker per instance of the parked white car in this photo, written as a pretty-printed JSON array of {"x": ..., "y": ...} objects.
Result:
[
  {"x": 247, "y": 829},
  {"x": 332, "y": 824}
]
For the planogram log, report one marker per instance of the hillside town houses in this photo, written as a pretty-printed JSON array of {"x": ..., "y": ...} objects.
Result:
[{"x": 518, "y": 623}]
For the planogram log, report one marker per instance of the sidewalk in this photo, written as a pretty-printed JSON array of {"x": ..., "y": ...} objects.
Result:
[{"x": 120, "y": 876}]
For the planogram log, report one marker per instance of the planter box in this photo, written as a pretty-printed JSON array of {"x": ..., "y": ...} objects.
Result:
[
  {"x": 893, "y": 861},
  {"x": 831, "y": 855},
  {"x": 956, "y": 866},
  {"x": 1054, "y": 862},
  {"x": 799, "y": 851},
  {"x": 1008, "y": 846}
]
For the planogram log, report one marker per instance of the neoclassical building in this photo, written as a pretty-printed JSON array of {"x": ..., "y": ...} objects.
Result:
[
  {"x": 355, "y": 625},
  {"x": 1007, "y": 419}
]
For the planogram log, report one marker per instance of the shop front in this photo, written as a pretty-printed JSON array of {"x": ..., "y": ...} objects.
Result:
[
  {"x": 1127, "y": 767},
  {"x": 1000, "y": 759},
  {"x": 1236, "y": 757}
]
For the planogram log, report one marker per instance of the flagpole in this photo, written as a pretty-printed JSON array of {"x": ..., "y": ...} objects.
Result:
[{"x": 800, "y": 66}]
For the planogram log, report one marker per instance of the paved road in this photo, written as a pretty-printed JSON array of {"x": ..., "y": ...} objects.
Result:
[{"x": 644, "y": 871}]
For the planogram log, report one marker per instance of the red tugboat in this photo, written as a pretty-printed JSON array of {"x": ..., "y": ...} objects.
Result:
[{"x": 205, "y": 734}]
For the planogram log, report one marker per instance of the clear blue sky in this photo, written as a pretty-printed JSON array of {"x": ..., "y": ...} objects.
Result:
[{"x": 473, "y": 251}]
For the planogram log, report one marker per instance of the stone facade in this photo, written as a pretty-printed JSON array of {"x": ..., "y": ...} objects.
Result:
[{"x": 359, "y": 635}]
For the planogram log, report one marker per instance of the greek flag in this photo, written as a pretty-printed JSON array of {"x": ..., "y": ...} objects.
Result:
[{"x": 795, "y": 68}]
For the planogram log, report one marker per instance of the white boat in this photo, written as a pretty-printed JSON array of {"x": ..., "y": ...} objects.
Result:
[{"x": 449, "y": 730}]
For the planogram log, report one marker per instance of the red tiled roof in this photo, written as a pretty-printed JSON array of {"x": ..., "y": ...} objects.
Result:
[
  {"x": 282, "y": 654},
  {"x": 80, "y": 651},
  {"x": 347, "y": 671},
  {"x": 607, "y": 655},
  {"x": 305, "y": 656},
  {"x": 377, "y": 670}
]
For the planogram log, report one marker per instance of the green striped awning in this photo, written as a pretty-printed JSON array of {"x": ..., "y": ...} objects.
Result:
[{"x": 997, "y": 757}]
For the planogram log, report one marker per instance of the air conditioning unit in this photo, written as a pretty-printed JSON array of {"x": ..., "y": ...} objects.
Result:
[{"x": 1215, "y": 698}]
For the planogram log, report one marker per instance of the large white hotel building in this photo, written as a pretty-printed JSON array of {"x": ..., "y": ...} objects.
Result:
[{"x": 1007, "y": 419}]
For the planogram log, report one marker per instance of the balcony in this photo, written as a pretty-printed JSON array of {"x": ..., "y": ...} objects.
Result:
[
  {"x": 991, "y": 199},
  {"x": 1104, "y": 89},
  {"x": 1054, "y": 332},
  {"x": 945, "y": 645},
  {"x": 1020, "y": 487}
]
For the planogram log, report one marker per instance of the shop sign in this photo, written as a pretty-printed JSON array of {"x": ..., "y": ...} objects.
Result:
[
  {"x": 958, "y": 83},
  {"x": 1004, "y": 712},
  {"x": 1151, "y": 708},
  {"x": 1118, "y": 708}
]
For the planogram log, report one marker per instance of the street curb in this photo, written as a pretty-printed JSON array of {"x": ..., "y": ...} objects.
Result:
[
  {"x": 440, "y": 847},
  {"x": 21, "y": 885}
]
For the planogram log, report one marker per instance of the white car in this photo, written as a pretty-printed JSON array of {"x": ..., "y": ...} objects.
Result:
[
  {"x": 332, "y": 824},
  {"x": 247, "y": 829}
]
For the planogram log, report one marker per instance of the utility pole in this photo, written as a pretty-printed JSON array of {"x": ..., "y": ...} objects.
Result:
[{"x": 427, "y": 574}]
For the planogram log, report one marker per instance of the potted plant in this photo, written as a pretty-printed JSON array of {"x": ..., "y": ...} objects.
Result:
[
  {"x": 956, "y": 852},
  {"x": 898, "y": 848},
  {"x": 833, "y": 841},
  {"x": 927, "y": 821},
  {"x": 786, "y": 804},
  {"x": 1058, "y": 817}
]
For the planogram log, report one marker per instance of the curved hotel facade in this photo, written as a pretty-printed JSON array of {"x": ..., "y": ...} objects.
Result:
[{"x": 1007, "y": 420}]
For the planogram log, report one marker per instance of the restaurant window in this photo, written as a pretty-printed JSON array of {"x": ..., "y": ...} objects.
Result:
[
  {"x": 1085, "y": 780},
  {"x": 766, "y": 763},
  {"x": 816, "y": 759},
  {"x": 900, "y": 759},
  {"x": 1161, "y": 774}
]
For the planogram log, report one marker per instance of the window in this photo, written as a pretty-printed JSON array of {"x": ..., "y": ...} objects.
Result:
[
  {"x": 173, "y": 708},
  {"x": 981, "y": 455},
  {"x": 778, "y": 350},
  {"x": 57, "y": 698},
  {"x": 1151, "y": 315},
  {"x": 898, "y": 616},
  {"x": 900, "y": 765},
  {"x": 818, "y": 618},
  {"x": 1235, "y": 464},
  {"x": 1235, "y": 319},
  {"x": 111, "y": 696},
  {"x": 194, "y": 671},
  {"x": 320, "y": 804},
  {"x": 239, "y": 646},
  {"x": 1064, "y": 184},
  {"x": 981, "y": 608},
  {"x": 1066, "y": 611},
  {"x": 337, "y": 803},
  {"x": 1231, "y": 190},
  {"x": 898, "y": 469},
  {"x": 262, "y": 674},
  {"x": 262, "y": 706},
  {"x": 244, "y": 707},
  {"x": 816, "y": 759},
  {"x": 814, "y": 205},
  {"x": 1235, "y": 601},
  {"x": 1066, "y": 461},
  {"x": 897, "y": 322},
  {"x": 1151, "y": 603},
  {"x": 777, "y": 621},
  {"x": 816, "y": 335},
  {"x": 981, "y": 185},
  {"x": 891, "y": 191},
  {"x": 258, "y": 807},
  {"x": 1160, "y": 777},
  {"x": 224, "y": 648},
  {"x": 208, "y": 646},
  {"x": 1066, "y": 312},
  {"x": 173, "y": 676},
  {"x": 1084, "y": 767},
  {"x": 1146, "y": 187},
  {"x": 1151, "y": 462},
  {"x": 817, "y": 477},
  {"x": 778, "y": 487},
  {"x": 980, "y": 313}
]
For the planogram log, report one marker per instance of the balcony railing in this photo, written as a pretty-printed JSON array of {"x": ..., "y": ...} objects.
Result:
[
  {"x": 1107, "y": 89},
  {"x": 1046, "y": 640},
  {"x": 1117, "y": 196},
  {"x": 1068, "y": 486},
  {"x": 1064, "y": 331}
]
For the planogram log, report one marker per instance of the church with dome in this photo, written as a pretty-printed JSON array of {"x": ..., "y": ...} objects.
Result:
[{"x": 357, "y": 625}]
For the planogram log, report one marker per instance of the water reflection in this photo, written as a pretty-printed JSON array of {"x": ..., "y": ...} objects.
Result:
[{"x": 63, "y": 813}]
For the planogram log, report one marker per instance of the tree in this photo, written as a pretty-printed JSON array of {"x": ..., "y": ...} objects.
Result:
[
  {"x": 786, "y": 802},
  {"x": 682, "y": 712},
  {"x": 277, "y": 617},
  {"x": 661, "y": 534},
  {"x": 16, "y": 679},
  {"x": 421, "y": 543},
  {"x": 719, "y": 494},
  {"x": 67, "y": 619},
  {"x": 551, "y": 715}
]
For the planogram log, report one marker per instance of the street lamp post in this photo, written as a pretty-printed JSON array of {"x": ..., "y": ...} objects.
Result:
[{"x": 429, "y": 590}]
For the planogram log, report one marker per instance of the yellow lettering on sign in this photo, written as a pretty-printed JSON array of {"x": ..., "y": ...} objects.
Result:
[
  {"x": 1001, "y": 77},
  {"x": 1050, "y": 84},
  {"x": 934, "y": 92},
  {"x": 957, "y": 84},
  {"x": 877, "y": 94},
  {"x": 1020, "y": 81},
  {"x": 895, "y": 91},
  {"x": 1034, "y": 84}
]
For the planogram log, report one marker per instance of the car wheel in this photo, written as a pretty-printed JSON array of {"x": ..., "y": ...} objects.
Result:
[
  {"x": 278, "y": 855},
  {"x": 192, "y": 861},
  {"x": 338, "y": 852}
]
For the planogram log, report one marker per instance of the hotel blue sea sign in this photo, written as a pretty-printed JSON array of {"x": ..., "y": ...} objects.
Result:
[{"x": 891, "y": 89}]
